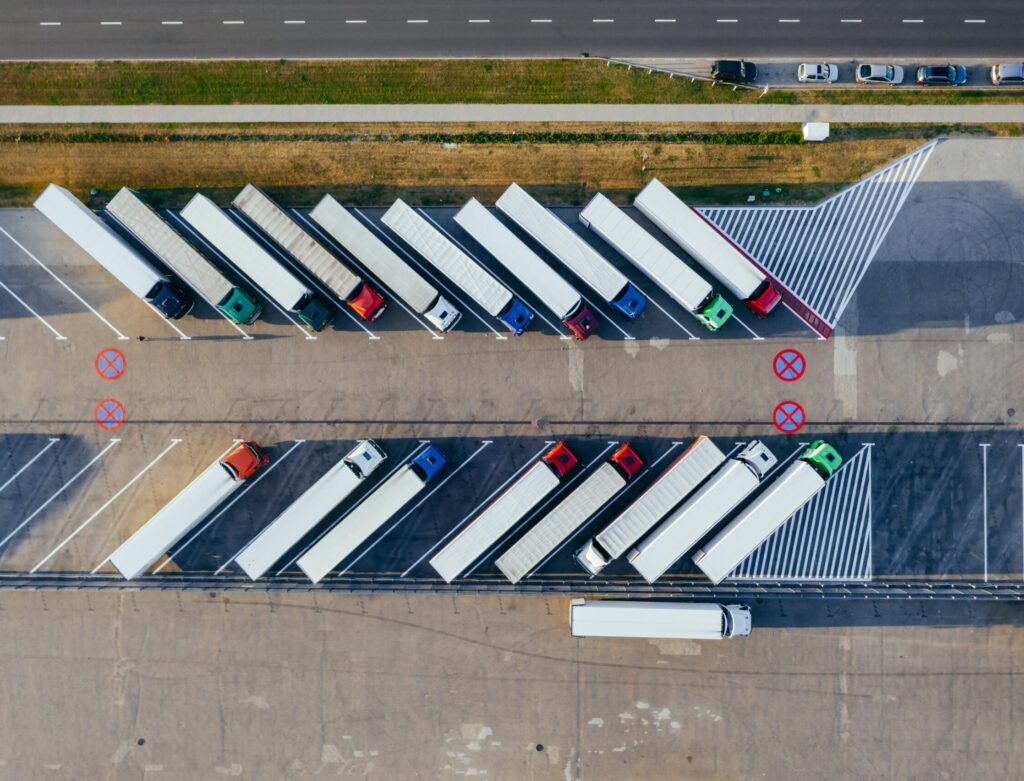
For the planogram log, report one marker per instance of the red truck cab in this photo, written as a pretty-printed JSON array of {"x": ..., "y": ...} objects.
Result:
[
  {"x": 582, "y": 323},
  {"x": 764, "y": 300},
  {"x": 245, "y": 460},
  {"x": 561, "y": 458},
  {"x": 368, "y": 303},
  {"x": 628, "y": 462}
]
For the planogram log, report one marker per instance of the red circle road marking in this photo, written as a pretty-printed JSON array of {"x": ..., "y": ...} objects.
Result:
[
  {"x": 109, "y": 414},
  {"x": 789, "y": 417},
  {"x": 789, "y": 365},
  {"x": 110, "y": 363}
]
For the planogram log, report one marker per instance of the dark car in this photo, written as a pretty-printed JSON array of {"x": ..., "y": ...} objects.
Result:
[
  {"x": 736, "y": 71},
  {"x": 938, "y": 75}
]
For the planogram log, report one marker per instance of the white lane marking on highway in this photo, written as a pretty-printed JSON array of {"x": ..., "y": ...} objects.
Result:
[
  {"x": 110, "y": 24},
  {"x": 405, "y": 462},
  {"x": 49, "y": 24},
  {"x": 984, "y": 503},
  {"x": 664, "y": 21},
  {"x": 472, "y": 513},
  {"x": 36, "y": 457},
  {"x": 346, "y": 308},
  {"x": 233, "y": 21},
  {"x": 172, "y": 22},
  {"x": 461, "y": 246},
  {"x": 395, "y": 297},
  {"x": 603, "y": 21},
  {"x": 181, "y": 334},
  {"x": 540, "y": 21},
  {"x": 1022, "y": 508},
  {"x": 248, "y": 487},
  {"x": 202, "y": 239},
  {"x": 417, "y": 21},
  {"x": 789, "y": 21},
  {"x": 474, "y": 454},
  {"x": 913, "y": 21},
  {"x": 727, "y": 21},
  {"x": 59, "y": 336},
  {"x": 355, "y": 21},
  {"x": 104, "y": 506},
  {"x": 63, "y": 284},
  {"x": 59, "y": 491},
  {"x": 294, "y": 21},
  {"x": 974, "y": 21},
  {"x": 850, "y": 21},
  {"x": 479, "y": 21}
]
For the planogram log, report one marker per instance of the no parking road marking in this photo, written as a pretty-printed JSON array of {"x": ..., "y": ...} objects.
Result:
[
  {"x": 110, "y": 364},
  {"x": 788, "y": 417},
  {"x": 109, "y": 414},
  {"x": 789, "y": 365}
]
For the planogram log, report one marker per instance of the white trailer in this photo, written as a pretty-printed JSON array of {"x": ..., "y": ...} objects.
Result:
[
  {"x": 672, "y": 486},
  {"x": 112, "y": 252},
  {"x": 476, "y": 281},
  {"x": 240, "y": 248},
  {"x": 302, "y": 515},
  {"x": 772, "y": 508},
  {"x": 503, "y": 513},
  {"x": 702, "y": 512},
  {"x": 394, "y": 272},
  {"x": 649, "y": 255},
  {"x": 270, "y": 218},
  {"x": 542, "y": 280},
  {"x": 568, "y": 515},
  {"x": 562, "y": 242},
  {"x": 659, "y": 620},
  {"x": 370, "y": 514},
  {"x": 181, "y": 257},
  {"x": 706, "y": 244},
  {"x": 180, "y": 515}
]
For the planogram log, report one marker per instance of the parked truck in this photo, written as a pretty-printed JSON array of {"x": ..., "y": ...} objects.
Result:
[
  {"x": 348, "y": 286},
  {"x": 476, "y": 281},
  {"x": 649, "y": 255},
  {"x": 112, "y": 252},
  {"x": 697, "y": 516},
  {"x": 568, "y": 515},
  {"x": 562, "y": 242},
  {"x": 369, "y": 515},
  {"x": 770, "y": 509},
  {"x": 707, "y": 245},
  {"x": 673, "y": 485},
  {"x": 659, "y": 620},
  {"x": 542, "y": 280},
  {"x": 179, "y": 256},
  {"x": 228, "y": 238},
  {"x": 185, "y": 511},
  {"x": 305, "y": 513},
  {"x": 390, "y": 269},
  {"x": 504, "y": 512}
]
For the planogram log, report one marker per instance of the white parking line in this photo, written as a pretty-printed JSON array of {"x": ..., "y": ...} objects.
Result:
[
  {"x": 248, "y": 487},
  {"x": 59, "y": 491},
  {"x": 36, "y": 457},
  {"x": 475, "y": 510},
  {"x": 39, "y": 317},
  {"x": 474, "y": 454},
  {"x": 405, "y": 462},
  {"x": 984, "y": 503},
  {"x": 63, "y": 284},
  {"x": 104, "y": 506},
  {"x": 181, "y": 334}
]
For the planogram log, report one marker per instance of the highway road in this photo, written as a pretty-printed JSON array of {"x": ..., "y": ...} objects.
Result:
[{"x": 89, "y": 29}]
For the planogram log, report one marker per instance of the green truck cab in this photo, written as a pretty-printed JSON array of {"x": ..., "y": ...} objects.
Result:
[
  {"x": 240, "y": 307},
  {"x": 315, "y": 314},
  {"x": 823, "y": 457},
  {"x": 714, "y": 313}
]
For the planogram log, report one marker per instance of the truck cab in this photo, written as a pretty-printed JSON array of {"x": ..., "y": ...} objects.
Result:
[
  {"x": 758, "y": 458},
  {"x": 367, "y": 303},
  {"x": 240, "y": 307},
  {"x": 627, "y": 461},
  {"x": 736, "y": 621},
  {"x": 764, "y": 300},
  {"x": 172, "y": 302},
  {"x": 714, "y": 313},
  {"x": 443, "y": 315},
  {"x": 631, "y": 302},
  {"x": 561, "y": 459},
  {"x": 245, "y": 460},
  {"x": 315, "y": 314},
  {"x": 516, "y": 316},
  {"x": 592, "y": 558},
  {"x": 428, "y": 463},
  {"x": 365, "y": 457},
  {"x": 582, "y": 323},
  {"x": 823, "y": 457}
]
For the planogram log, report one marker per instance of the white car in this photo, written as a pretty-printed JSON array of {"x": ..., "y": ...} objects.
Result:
[
  {"x": 817, "y": 71},
  {"x": 1008, "y": 73},
  {"x": 879, "y": 74}
]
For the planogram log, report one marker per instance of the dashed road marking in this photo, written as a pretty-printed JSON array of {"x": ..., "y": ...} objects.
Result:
[
  {"x": 913, "y": 21},
  {"x": 110, "y": 24},
  {"x": 984, "y": 505},
  {"x": 540, "y": 21},
  {"x": 664, "y": 21},
  {"x": 49, "y": 24},
  {"x": 355, "y": 21},
  {"x": 171, "y": 22},
  {"x": 233, "y": 21},
  {"x": 727, "y": 21},
  {"x": 479, "y": 21}
]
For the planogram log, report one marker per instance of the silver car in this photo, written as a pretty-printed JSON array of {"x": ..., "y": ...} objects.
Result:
[
  {"x": 817, "y": 71},
  {"x": 1008, "y": 73},
  {"x": 879, "y": 74}
]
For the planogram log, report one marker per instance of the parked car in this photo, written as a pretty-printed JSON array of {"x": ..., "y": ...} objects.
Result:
[
  {"x": 942, "y": 75},
  {"x": 817, "y": 71},
  {"x": 736, "y": 71},
  {"x": 1008, "y": 73},
  {"x": 879, "y": 74}
]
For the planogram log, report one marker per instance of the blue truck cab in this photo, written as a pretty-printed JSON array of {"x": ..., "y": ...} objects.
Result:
[
  {"x": 428, "y": 463},
  {"x": 516, "y": 316},
  {"x": 172, "y": 302},
  {"x": 631, "y": 302}
]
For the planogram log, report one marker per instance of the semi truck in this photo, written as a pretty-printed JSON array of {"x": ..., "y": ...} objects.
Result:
[
  {"x": 542, "y": 280},
  {"x": 180, "y": 515},
  {"x": 370, "y": 514},
  {"x": 770, "y": 509},
  {"x": 179, "y": 256},
  {"x": 671, "y": 487},
  {"x": 659, "y": 620},
  {"x": 476, "y": 281},
  {"x": 287, "y": 290},
  {"x": 711, "y": 248},
  {"x": 504, "y": 512},
  {"x": 649, "y": 255},
  {"x": 306, "y": 512},
  {"x": 697, "y": 516},
  {"x": 390, "y": 269},
  {"x": 112, "y": 252},
  {"x": 587, "y": 498},
  {"x": 348, "y": 286},
  {"x": 562, "y": 242}
]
